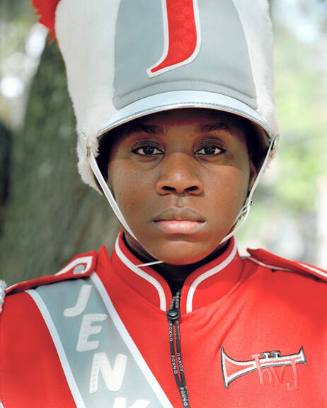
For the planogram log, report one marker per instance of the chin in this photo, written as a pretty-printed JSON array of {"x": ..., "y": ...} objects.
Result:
[{"x": 181, "y": 252}]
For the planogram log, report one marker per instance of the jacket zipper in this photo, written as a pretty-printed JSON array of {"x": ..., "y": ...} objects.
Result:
[{"x": 173, "y": 316}]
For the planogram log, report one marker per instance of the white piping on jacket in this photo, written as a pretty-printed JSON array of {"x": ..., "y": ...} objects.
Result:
[
  {"x": 279, "y": 268},
  {"x": 78, "y": 261},
  {"x": 144, "y": 275},
  {"x": 206, "y": 275}
]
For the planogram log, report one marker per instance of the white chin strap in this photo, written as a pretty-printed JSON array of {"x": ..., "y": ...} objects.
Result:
[
  {"x": 245, "y": 210},
  {"x": 240, "y": 219},
  {"x": 108, "y": 194}
]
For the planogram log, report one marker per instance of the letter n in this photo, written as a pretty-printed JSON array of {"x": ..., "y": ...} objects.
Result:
[{"x": 112, "y": 376}]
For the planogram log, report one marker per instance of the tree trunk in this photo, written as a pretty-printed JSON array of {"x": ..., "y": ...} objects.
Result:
[{"x": 50, "y": 215}]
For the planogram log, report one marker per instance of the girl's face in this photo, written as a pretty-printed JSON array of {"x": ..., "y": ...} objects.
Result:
[{"x": 180, "y": 178}]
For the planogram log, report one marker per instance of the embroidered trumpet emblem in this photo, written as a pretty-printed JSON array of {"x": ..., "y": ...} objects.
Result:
[{"x": 265, "y": 364}]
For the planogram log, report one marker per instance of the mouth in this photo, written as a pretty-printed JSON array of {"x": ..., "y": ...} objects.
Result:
[{"x": 179, "y": 221}]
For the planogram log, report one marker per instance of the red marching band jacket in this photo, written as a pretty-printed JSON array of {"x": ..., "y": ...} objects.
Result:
[{"x": 253, "y": 333}]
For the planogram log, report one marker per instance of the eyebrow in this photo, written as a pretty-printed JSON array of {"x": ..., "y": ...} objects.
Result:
[
  {"x": 138, "y": 126},
  {"x": 214, "y": 126},
  {"x": 141, "y": 127}
]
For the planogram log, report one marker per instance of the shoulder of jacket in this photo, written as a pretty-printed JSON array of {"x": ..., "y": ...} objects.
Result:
[
  {"x": 79, "y": 267},
  {"x": 275, "y": 262}
]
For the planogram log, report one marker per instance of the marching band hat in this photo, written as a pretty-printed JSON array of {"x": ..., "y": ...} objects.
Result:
[{"x": 129, "y": 58}]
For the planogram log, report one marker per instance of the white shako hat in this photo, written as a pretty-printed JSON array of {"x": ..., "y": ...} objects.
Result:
[{"x": 129, "y": 58}]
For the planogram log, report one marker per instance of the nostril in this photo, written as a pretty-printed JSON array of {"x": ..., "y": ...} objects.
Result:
[
  {"x": 168, "y": 188},
  {"x": 192, "y": 189}
]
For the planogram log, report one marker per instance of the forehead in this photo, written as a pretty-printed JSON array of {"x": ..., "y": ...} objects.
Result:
[{"x": 190, "y": 116}]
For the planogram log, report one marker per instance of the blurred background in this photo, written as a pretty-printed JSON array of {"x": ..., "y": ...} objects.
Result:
[{"x": 46, "y": 213}]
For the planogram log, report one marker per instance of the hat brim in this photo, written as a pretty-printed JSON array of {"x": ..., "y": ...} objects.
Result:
[{"x": 185, "y": 99}]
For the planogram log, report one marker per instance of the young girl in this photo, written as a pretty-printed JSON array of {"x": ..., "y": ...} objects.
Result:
[{"x": 175, "y": 117}]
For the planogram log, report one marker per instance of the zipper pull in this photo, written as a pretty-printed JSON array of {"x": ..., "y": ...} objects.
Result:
[{"x": 173, "y": 313}]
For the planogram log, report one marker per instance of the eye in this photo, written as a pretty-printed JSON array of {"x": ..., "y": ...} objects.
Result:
[
  {"x": 147, "y": 150},
  {"x": 210, "y": 150}
]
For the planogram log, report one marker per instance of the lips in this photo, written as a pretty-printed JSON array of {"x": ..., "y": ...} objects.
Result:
[
  {"x": 179, "y": 214},
  {"x": 179, "y": 221}
]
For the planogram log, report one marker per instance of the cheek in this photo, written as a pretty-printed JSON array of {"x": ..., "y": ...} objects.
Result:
[
  {"x": 130, "y": 187},
  {"x": 228, "y": 188}
]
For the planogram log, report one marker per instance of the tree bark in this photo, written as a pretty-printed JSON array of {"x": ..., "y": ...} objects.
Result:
[{"x": 50, "y": 215}]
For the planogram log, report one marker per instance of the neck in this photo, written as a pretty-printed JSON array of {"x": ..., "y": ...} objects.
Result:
[{"x": 175, "y": 275}]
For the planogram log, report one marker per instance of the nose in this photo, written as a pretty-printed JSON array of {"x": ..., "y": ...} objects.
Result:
[{"x": 179, "y": 176}]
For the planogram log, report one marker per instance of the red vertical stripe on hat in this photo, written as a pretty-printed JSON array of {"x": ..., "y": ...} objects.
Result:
[{"x": 181, "y": 35}]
